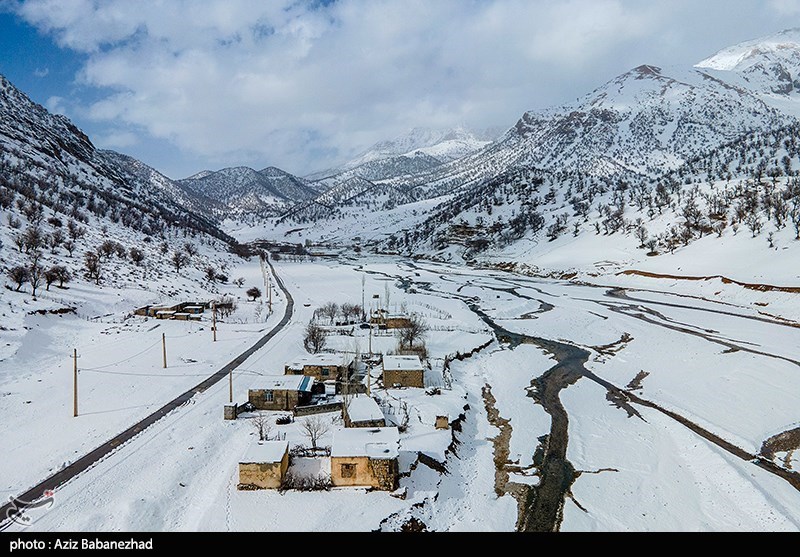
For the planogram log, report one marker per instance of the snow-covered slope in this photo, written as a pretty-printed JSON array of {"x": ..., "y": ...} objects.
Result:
[{"x": 769, "y": 67}]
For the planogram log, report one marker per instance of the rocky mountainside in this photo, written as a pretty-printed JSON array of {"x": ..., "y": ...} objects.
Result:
[{"x": 242, "y": 191}]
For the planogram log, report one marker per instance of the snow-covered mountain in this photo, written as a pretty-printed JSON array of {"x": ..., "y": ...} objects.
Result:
[
  {"x": 410, "y": 153},
  {"x": 645, "y": 122},
  {"x": 47, "y": 158},
  {"x": 241, "y": 190},
  {"x": 769, "y": 66}
]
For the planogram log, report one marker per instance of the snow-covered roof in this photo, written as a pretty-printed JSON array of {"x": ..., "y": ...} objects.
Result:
[
  {"x": 265, "y": 452},
  {"x": 363, "y": 408},
  {"x": 287, "y": 383},
  {"x": 402, "y": 363},
  {"x": 315, "y": 360},
  {"x": 372, "y": 442}
]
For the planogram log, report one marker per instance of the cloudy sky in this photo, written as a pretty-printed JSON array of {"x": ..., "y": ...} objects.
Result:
[{"x": 187, "y": 85}]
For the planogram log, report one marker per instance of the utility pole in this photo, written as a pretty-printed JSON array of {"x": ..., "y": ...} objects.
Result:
[
  {"x": 164, "y": 348},
  {"x": 370, "y": 339},
  {"x": 230, "y": 386},
  {"x": 214, "y": 320},
  {"x": 74, "y": 382},
  {"x": 369, "y": 380},
  {"x": 363, "y": 308},
  {"x": 270, "y": 292}
]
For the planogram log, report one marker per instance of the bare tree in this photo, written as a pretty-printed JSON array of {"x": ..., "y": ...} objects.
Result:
[
  {"x": 262, "y": 425},
  {"x": 35, "y": 276},
  {"x": 415, "y": 330},
  {"x": 93, "y": 266},
  {"x": 239, "y": 282},
  {"x": 329, "y": 310},
  {"x": 641, "y": 234},
  {"x": 179, "y": 260},
  {"x": 190, "y": 249},
  {"x": 350, "y": 311},
  {"x": 254, "y": 292},
  {"x": 314, "y": 338},
  {"x": 69, "y": 245},
  {"x": 211, "y": 273},
  {"x": 19, "y": 275},
  {"x": 314, "y": 427},
  {"x": 136, "y": 255}
]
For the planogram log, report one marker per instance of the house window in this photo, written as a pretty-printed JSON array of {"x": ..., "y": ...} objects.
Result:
[
  {"x": 326, "y": 372},
  {"x": 268, "y": 396},
  {"x": 348, "y": 470}
]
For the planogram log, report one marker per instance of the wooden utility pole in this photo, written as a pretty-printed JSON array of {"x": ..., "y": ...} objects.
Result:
[
  {"x": 164, "y": 348},
  {"x": 369, "y": 380},
  {"x": 269, "y": 288},
  {"x": 370, "y": 339},
  {"x": 230, "y": 386},
  {"x": 214, "y": 320},
  {"x": 74, "y": 382},
  {"x": 363, "y": 309}
]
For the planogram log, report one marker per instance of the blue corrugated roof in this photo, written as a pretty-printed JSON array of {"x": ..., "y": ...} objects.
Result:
[{"x": 305, "y": 384}]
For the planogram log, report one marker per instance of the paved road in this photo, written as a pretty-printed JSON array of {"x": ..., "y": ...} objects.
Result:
[{"x": 78, "y": 466}]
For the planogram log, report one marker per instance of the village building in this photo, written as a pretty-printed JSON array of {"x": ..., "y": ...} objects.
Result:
[
  {"x": 365, "y": 457},
  {"x": 322, "y": 367},
  {"x": 403, "y": 371},
  {"x": 282, "y": 393},
  {"x": 264, "y": 465},
  {"x": 385, "y": 320},
  {"x": 362, "y": 411}
]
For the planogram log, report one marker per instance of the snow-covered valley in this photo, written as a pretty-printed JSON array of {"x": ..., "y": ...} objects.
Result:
[{"x": 712, "y": 361}]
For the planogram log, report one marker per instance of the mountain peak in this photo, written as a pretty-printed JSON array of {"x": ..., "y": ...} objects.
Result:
[{"x": 785, "y": 44}]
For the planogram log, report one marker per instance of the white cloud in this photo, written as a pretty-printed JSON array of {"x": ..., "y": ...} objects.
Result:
[
  {"x": 41, "y": 72},
  {"x": 116, "y": 140},
  {"x": 302, "y": 85},
  {"x": 786, "y": 7},
  {"x": 55, "y": 104}
]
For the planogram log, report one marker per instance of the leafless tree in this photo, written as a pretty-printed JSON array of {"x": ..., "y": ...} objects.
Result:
[
  {"x": 93, "y": 266},
  {"x": 136, "y": 255},
  {"x": 314, "y": 427},
  {"x": 262, "y": 425},
  {"x": 254, "y": 292},
  {"x": 416, "y": 330},
  {"x": 350, "y": 311},
  {"x": 314, "y": 338},
  {"x": 69, "y": 245},
  {"x": 179, "y": 260},
  {"x": 35, "y": 276},
  {"x": 19, "y": 275},
  {"x": 329, "y": 310},
  {"x": 190, "y": 249},
  {"x": 239, "y": 282},
  {"x": 211, "y": 273},
  {"x": 641, "y": 234}
]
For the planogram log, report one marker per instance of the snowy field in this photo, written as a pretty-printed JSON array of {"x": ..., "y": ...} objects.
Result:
[{"x": 710, "y": 363}]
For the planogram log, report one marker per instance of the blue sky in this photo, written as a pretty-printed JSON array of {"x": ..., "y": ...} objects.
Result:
[{"x": 187, "y": 85}]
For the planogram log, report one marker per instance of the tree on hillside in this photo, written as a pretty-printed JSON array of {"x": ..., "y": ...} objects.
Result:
[
  {"x": 93, "y": 266},
  {"x": 254, "y": 292},
  {"x": 136, "y": 255},
  {"x": 179, "y": 260},
  {"x": 19, "y": 275}
]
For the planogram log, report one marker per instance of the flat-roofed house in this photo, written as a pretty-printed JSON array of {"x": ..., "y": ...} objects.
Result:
[
  {"x": 403, "y": 371},
  {"x": 321, "y": 367},
  {"x": 362, "y": 411},
  {"x": 281, "y": 392},
  {"x": 365, "y": 457},
  {"x": 264, "y": 465}
]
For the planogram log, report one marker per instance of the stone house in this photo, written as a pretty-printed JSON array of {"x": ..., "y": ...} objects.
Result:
[
  {"x": 321, "y": 367},
  {"x": 264, "y": 465},
  {"x": 365, "y": 457},
  {"x": 282, "y": 393},
  {"x": 362, "y": 411},
  {"x": 403, "y": 371}
]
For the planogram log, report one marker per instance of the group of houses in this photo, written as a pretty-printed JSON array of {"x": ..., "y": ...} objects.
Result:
[
  {"x": 187, "y": 311},
  {"x": 365, "y": 452}
]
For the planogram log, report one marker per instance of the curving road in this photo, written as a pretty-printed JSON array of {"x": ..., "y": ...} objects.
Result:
[{"x": 64, "y": 475}]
